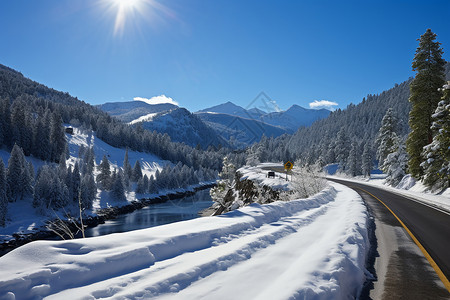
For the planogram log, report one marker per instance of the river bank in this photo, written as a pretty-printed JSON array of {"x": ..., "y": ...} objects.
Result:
[{"x": 100, "y": 216}]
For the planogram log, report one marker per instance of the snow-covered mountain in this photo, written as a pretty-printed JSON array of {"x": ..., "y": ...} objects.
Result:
[
  {"x": 229, "y": 108},
  {"x": 224, "y": 124},
  {"x": 181, "y": 125},
  {"x": 295, "y": 117},
  {"x": 286, "y": 121},
  {"x": 184, "y": 127},
  {"x": 239, "y": 131},
  {"x": 132, "y": 110}
]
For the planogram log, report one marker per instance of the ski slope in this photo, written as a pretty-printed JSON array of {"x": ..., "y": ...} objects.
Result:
[{"x": 311, "y": 248}]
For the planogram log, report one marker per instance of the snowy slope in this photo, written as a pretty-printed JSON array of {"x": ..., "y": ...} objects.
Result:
[
  {"x": 228, "y": 108},
  {"x": 241, "y": 131},
  {"x": 22, "y": 217},
  {"x": 306, "y": 248},
  {"x": 132, "y": 110},
  {"x": 184, "y": 127},
  {"x": 149, "y": 162}
]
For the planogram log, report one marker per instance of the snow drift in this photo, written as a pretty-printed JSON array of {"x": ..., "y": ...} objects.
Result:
[{"x": 306, "y": 248}]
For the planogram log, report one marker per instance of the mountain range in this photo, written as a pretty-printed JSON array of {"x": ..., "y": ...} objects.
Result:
[{"x": 226, "y": 124}]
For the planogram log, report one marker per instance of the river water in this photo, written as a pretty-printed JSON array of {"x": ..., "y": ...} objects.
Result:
[{"x": 156, "y": 214}]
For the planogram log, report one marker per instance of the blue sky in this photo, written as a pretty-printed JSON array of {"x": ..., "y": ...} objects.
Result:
[{"x": 205, "y": 52}]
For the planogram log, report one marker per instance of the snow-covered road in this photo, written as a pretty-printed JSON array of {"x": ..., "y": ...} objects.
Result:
[{"x": 314, "y": 248}]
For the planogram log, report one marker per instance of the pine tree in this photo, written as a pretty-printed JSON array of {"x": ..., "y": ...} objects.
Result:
[
  {"x": 140, "y": 188},
  {"x": 18, "y": 123},
  {"x": 152, "y": 188},
  {"x": 342, "y": 148},
  {"x": 395, "y": 164},
  {"x": 6, "y": 121},
  {"x": 88, "y": 191},
  {"x": 3, "y": 197},
  {"x": 437, "y": 154},
  {"x": 17, "y": 174},
  {"x": 127, "y": 170},
  {"x": 57, "y": 137},
  {"x": 354, "y": 165},
  {"x": 118, "y": 190},
  {"x": 387, "y": 136},
  {"x": 76, "y": 183},
  {"x": 137, "y": 172},
  {"x": 367, "y": 163},
  {"x": 424, "y": 98},
  {"x": 104, "y": 178}
]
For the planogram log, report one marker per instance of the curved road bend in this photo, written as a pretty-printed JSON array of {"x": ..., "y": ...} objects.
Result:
[{"x": 403, "y": 271}]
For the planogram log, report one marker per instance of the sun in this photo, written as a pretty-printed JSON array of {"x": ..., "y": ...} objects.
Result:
[
  {"x": 132, "y": 13},
  {"x": 127, "y": 4},
  {"x": 125, "y": 10}
]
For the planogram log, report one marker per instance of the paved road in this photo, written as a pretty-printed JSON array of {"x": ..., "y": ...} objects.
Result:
[{"x": 430, "y": 226}]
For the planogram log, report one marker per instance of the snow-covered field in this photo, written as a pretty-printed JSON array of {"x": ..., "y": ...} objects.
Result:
[
  {"x": 407, "y": 187},
  {"x": 311, "y": 248}
]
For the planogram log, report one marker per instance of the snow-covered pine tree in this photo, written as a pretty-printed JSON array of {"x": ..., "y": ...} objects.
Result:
[
  {"x": 118, "y": 189},
  {"x": 3, "y": 197},
  {"x": 354, "y": 164},
  {"x": 5, "y": 120},
  {"x": 18, "y": 123},
  {"x": 367, "y": 161},
  {"x": 127, "y": 170},
  {"x": 437, "y": 154},
  {"x": 49, "y": 190},
  {"x": 69, "y": 183},
  {"x": 17, "y": 175},
  {"x": 57, "y": 137},
  {"x": 225, "y": 183},
  {"x": 88, "y": 191},
  {"x": 104, "y": 177},
  {"x": 76, "y": 182},
  {"x": 88, "y": 162},
  {"x": 396, "y": 164},
  {"x": 140, "y": 188},
  {"x": 387, "y": 136},
  {"x": 424, "y": 98},
  {"x": 137, "y": 172},
  {"x": 331, "y": 155},
  {"x": 152, "y": 188},
  {"x": 62, "y": 164},
  {"x": 342, "y": 149}
]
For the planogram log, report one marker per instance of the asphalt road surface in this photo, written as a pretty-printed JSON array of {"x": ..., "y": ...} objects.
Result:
[{"x": 408, "y": 274}]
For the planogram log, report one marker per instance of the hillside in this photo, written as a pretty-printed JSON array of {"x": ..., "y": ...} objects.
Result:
[
  {"x": 184, "y": 127},
  {"x": 357, "y": 123},
  {"x": 132, "y": 110},
  {"x": 36, "y": 99},
  {"x": 240, "y": 132}
]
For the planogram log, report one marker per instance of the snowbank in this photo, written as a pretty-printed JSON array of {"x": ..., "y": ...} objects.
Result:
[{"x": 306, "y": 248}]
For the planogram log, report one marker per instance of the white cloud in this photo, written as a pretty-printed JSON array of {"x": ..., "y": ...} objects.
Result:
[
  {"x": 157, "y": 100},
  {"x": 323, "y": 104}
]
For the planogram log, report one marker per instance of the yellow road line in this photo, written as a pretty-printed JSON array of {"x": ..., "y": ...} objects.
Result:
[{"x": 436, "y": 268}]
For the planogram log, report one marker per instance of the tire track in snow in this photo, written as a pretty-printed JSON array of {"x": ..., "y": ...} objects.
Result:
[{"x": 173, "y": 273}]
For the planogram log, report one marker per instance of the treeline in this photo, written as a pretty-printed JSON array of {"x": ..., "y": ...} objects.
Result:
[
  {"x": 346, "y": 137},
  {"x": 355, "y": 138},
  {"x": 38, "y": 99},
  {"x": 38, "y": 132}
]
